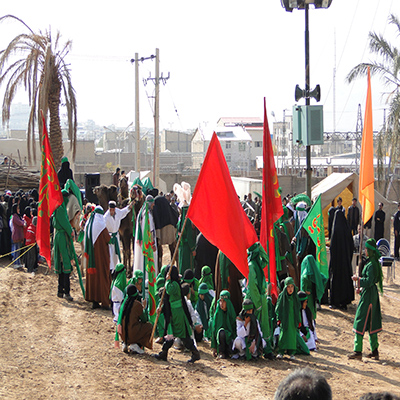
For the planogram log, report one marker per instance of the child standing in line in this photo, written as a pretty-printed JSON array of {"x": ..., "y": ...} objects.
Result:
[
  {"x": 307, "y": 328},
  {"x": 288, "y": 317},
  {"x": 118, "y": 289},
  {"x": 31, "y": 257}
]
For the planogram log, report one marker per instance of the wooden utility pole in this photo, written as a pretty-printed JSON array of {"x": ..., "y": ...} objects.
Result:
[
  {"x": 156, "y": 164},
  {"x": 137, "y": 124}
]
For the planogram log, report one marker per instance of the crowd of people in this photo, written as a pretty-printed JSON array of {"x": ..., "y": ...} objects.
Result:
[{"x": 201, "y": 296}]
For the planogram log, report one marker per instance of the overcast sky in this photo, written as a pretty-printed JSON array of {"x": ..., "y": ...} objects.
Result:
[{"x": 223, "y": 56}]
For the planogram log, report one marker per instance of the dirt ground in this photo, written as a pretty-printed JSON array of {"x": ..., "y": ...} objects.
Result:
[{"x": 50, "y": 348}]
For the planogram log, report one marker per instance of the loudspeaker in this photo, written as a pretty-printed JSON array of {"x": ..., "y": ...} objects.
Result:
[
  {"x": 316, "y": 93},
  {"x": 91, "y": 181},
  {"x": 298, "y": 93}
]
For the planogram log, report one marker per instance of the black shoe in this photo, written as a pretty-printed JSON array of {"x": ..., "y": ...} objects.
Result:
[
  {"x": 195, "y": 356},
  {"x": 69, "y": 297},
  {"x": 269, "y": 356},
  {"x": 356, "y": 355},
  {"x": 95, "y": 305},
  {"x": 374, "y": 354},
  {"x": 60, "y": 295},
  {"x": 161, "y": 356}
]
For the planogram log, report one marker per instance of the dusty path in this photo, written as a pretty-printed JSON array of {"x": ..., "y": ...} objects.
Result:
[{"x": 50, "y": 348}]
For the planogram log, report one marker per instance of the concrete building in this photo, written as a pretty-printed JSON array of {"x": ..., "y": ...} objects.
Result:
[
  {"x": 176, "y": 141},
  {"x": 235, "y": 142},
  {"x": 255, "y": 128}
]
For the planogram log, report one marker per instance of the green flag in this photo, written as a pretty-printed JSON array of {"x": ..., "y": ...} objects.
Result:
[
  {"x": 147, "y": 250},
  {"x": 314, "y": 225}
]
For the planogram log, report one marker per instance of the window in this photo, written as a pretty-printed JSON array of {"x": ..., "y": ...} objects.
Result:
[
  {"x": 242, "y": 146},
  {"x": 228, "y": 158},
  {"x": 228, "y": 144},
  {"x": 257, "y": 144}
]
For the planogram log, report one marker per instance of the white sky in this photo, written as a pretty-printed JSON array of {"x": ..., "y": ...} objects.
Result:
[{"x": 223, "y": 56}]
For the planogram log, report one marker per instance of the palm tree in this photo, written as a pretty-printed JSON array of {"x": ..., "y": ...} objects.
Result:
[
  {"x": 44, "y": 74},
  {"x": 387, "y": 65}
]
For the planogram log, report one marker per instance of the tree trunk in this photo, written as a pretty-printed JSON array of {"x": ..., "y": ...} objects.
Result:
[{"x": 55, "y": 134}]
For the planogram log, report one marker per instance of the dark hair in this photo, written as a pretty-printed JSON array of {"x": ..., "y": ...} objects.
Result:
[
  {"x": 339, "y": 199},
  {"x": 15, "y": 208},
  {"x": 185, "y": 289},
  {"x": 354, "y": 198},
  {"x": 379, "y": 396},
  {"x": 303, "y": 384},
  {"x": 131, "y": 292}
]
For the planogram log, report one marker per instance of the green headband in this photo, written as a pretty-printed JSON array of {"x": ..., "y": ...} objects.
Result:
[{"x": 224, "y": 295}]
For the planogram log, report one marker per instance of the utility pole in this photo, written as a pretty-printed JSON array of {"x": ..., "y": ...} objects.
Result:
[
  {"x": 156, "y": 168},
  {"x": 156, "y": 80},
  {"x": 359, "y": 129},
  {"x": 137, "y": 122}
]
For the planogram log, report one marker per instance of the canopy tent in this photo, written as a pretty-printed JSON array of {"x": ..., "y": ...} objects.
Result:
[{"x": 337, "y": 184}]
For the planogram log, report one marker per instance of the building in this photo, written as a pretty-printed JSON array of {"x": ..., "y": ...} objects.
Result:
[
  {"x": 255, "y": 128},
  {"x": 176, "y": 141},
  {"x": 235, "y": 142}
]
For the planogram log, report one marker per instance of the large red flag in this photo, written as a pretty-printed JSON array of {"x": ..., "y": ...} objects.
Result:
[
  {"x": 216, "y": 211},
  {"x": 271, "y": 209},
  {"x": 50, "y": 196},
  {"x": 367, "y": 179}
]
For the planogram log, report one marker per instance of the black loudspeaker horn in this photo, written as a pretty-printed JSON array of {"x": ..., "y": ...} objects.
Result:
[
  {"x": 298, "y": 93},
  {"x": 316, "y": 93}
]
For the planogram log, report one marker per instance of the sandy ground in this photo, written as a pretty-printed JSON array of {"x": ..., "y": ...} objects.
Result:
[{"x": 50, "y": 348}]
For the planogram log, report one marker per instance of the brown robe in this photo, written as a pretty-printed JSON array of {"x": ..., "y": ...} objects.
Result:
[
  {"x": 139, "y": 332},
  {"x": 98, "y": 284}
]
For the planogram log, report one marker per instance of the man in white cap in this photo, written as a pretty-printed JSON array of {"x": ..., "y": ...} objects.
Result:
[{"x": 113, "y": 218}]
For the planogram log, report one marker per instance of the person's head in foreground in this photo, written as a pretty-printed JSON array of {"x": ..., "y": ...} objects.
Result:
[{"x": 302, "y": 384}]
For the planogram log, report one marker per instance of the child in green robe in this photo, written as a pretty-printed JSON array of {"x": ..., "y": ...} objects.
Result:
[
  {"x": 207, "y": 277},
  {"x": 288, "y": 317},
  {"x": 176, "y": 311},
  {"x": 203, "y": 306},
  {"x": 118, "y": 288},
  {"x": 223, "y": 326},
  {"x": 368, "y": 315}
]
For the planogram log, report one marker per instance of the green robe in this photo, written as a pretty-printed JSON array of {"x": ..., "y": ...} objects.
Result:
[
  {"x": 187, "y": 244},
  {"x": 203, "y": 308},
  {"x": 288, "y": 313},
  {"x": 64, "y": 251},
  {"x": 223, "y": 320},
  {"x": 179, "y": 322},
  {"x": 312, "y": 281},
  {"x": 256, "y": 292},
  {"x": 368, "y": 315}
]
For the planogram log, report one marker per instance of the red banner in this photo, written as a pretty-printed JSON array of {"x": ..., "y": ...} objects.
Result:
[
  {"x": 50, "y": 196},
  {"x": 271, "y": 209},
  {"x": 216, "y": 211}
]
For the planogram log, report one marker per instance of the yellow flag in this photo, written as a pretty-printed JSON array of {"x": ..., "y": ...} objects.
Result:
[{"x": 366, "y": 183}]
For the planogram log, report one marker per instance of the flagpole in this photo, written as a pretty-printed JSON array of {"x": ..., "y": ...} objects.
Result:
[{"x": 166, "y": 278}]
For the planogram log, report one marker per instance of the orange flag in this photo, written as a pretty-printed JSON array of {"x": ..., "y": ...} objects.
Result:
[
  {"x": 272, "y": 208},
  {"x": 366, "y": 183},
  {"x": 50, "y": 196},
  {"x": 221, "y": 219}
]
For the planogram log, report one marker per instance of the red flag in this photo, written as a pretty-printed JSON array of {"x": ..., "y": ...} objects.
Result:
[
  {"x": 367, "y": 179},
  {"x": 271, "y": 209},
  {"x": 216, "y": 211},
  {"x": 50, "y": 196}
]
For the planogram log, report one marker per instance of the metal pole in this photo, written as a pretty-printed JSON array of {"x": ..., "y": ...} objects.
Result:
[
  {"x": 137, "y": 125},
  {"x": 156, "y": 164},
  {"x": 307, "y": 90}
]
